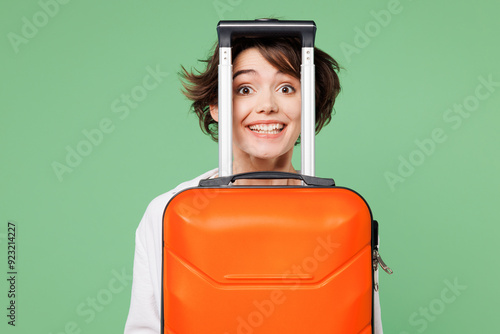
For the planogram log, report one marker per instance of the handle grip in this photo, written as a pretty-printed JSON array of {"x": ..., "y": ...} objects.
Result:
[
  {"x": 306, "y": 30},
  {"x": 267, "y": 175}
]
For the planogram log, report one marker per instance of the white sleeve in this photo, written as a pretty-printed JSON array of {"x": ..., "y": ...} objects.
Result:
[
  {"x": 377, "y": 321},
  {"x": 144, "y": 316}
]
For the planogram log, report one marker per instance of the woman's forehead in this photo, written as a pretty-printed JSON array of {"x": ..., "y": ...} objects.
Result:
[
  {"x": 250, "y": 56},
  {"x": 253, "y": 59}
]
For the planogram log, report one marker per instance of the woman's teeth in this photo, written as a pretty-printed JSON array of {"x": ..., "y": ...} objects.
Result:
[{"x": 267, "y": 128}]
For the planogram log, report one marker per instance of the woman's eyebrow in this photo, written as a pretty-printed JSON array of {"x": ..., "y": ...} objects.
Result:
[{"x": 243, "y": 72}]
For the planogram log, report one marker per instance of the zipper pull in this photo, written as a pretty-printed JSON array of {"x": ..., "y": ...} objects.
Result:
[{"x": 377, "y": 260}]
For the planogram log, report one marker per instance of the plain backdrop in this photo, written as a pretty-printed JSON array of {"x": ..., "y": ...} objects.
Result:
[{"x": 93, "y": 126}]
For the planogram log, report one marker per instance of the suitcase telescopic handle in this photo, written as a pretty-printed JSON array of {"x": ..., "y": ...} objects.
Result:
[
  {"x": 267, "y": 175},
  {"x": 227, "y": 30}
]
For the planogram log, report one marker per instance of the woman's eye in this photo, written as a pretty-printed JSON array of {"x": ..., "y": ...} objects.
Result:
[
  {"x": 287, "y": 89},
  {"x": 245, "y": 90}
]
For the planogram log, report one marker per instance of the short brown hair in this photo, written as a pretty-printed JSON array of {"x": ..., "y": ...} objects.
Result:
[{"x": 283, "y": 53}]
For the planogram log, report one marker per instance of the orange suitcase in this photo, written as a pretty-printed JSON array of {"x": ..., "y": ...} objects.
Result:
[{"x": 268, "y": 260}]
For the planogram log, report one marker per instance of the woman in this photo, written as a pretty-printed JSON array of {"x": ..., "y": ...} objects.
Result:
[{"x": 266, "y": 126}]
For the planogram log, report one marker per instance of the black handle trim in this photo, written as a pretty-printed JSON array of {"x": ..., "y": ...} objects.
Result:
[
  {"x": 227, "y": 30},
  {"x": 374, "y": 234},
  {"x": 267, "y": 175}
]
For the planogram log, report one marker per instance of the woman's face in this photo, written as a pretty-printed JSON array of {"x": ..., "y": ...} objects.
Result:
[{"x": 266, "y": 108}]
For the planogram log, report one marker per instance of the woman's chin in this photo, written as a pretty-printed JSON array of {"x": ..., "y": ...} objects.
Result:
[{"x": 268, "y": 153}]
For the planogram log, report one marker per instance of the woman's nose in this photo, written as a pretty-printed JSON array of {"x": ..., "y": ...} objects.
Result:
[{"x": 267, "y": 102}]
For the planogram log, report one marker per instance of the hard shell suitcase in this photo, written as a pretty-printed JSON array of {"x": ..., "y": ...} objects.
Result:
[{"x": 268, "y": 259}]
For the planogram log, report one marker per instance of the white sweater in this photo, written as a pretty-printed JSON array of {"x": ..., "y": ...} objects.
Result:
[{"x": 144, "y": 314}]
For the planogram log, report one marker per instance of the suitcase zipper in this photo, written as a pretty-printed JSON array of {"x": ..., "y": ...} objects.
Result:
[{"x": 377, "y": 260}]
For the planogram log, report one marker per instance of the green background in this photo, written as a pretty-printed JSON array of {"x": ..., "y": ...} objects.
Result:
[{"x": 76, "y": 232}]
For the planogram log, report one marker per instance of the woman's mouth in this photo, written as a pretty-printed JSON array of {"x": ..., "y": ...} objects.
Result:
[{"x": 267, "y": 129}]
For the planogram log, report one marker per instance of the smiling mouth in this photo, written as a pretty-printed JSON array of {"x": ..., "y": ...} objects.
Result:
[{"x": 267, "y": 128}]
